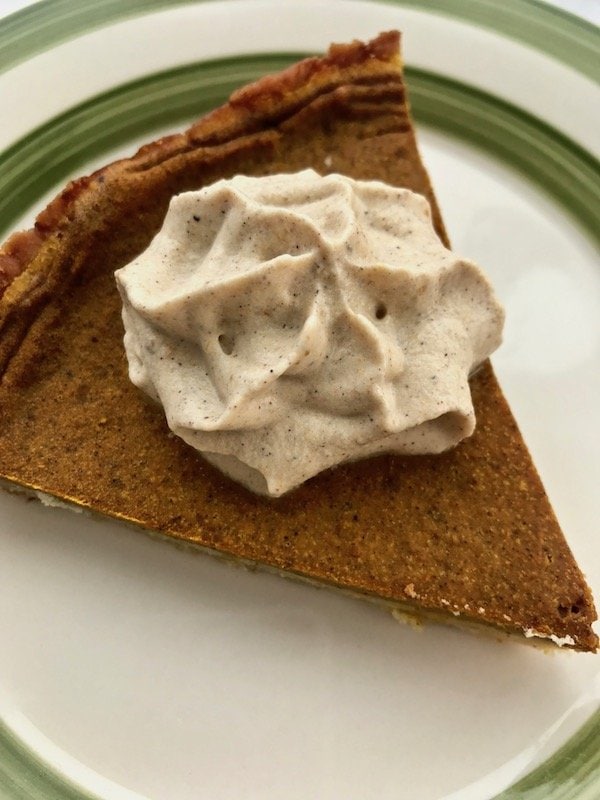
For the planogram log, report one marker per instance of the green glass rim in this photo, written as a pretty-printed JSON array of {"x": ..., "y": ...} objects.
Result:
[
  {"x": 570, "y": 774},
  {"x": 556, "y": 32},
  {"x": 24, "y": 775}
]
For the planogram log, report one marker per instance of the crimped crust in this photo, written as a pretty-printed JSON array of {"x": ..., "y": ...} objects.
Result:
[
  {"x": 249, "y": 110},
  {"x": 469, "y": 533}
]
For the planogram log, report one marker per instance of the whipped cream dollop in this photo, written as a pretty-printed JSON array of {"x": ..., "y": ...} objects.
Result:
[{"x": 293, "y": 322}]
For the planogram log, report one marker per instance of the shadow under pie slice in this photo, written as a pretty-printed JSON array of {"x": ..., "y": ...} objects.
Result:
[{"x": 466, "y": 536}]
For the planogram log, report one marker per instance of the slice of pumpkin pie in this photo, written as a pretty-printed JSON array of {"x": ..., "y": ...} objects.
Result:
[{"x": 464, "y": 536}]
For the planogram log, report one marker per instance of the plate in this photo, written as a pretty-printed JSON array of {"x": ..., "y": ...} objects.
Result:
[{"x": 131, "y": 669}]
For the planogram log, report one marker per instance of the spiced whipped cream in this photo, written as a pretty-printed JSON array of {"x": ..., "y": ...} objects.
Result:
[{"x": 291, "y": 323}]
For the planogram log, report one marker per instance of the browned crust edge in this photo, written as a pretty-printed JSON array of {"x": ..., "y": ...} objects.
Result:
[
  {"x": 254, "y": 102},
  {"x": 404, "y": 610}
]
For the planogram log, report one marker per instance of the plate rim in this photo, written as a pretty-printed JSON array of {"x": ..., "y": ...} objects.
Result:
[
  {"x": 547, "y": 28},
  {"x": 548, "y": 179}
]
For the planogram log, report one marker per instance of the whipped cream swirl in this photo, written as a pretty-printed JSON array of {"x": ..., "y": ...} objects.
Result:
[{"x": 291, "y": 323}]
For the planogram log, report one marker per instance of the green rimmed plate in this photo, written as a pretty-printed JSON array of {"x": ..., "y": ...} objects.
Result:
[{"x": 134, "y": 670}]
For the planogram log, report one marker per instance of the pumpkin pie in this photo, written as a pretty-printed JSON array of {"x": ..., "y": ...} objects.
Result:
[{"x": 466, "y": 537}]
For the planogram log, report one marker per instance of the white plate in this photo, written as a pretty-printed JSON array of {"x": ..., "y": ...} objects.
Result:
[{"x": 131, "y": 669}]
